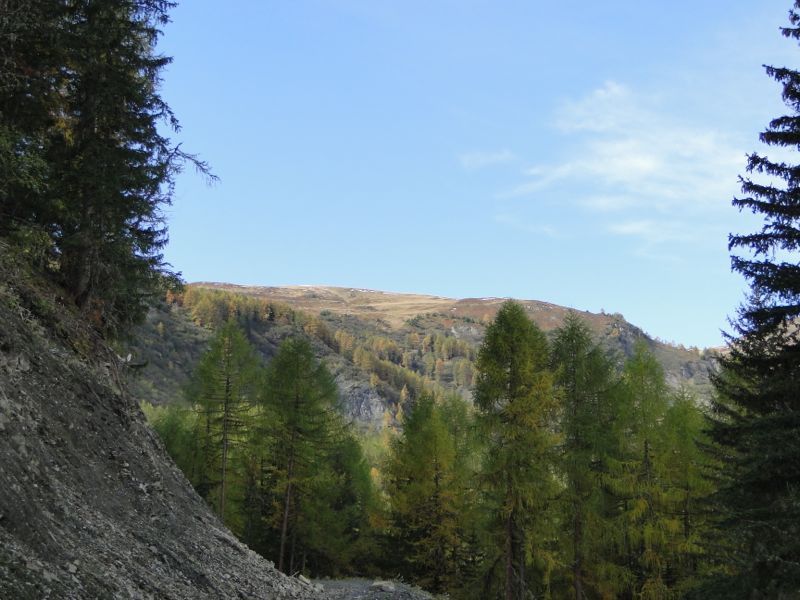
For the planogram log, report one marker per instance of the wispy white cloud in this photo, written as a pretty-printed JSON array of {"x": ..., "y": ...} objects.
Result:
[
  {"x": 654, "y": 237},
  {"x": 608, "y": 202},
  {"x": 607, "y": 108},
  {"x": 480, "y": 160},
  {"x": 539, "y": 178},
  {"x": 537, "y": 228},
  {"x": 653, "y": 232},
  {"x": 629, "y": 149},
  {"x": 665, "y": 177}
]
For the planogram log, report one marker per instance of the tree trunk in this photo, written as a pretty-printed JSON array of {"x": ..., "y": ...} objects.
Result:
[
  {"x": 509, "y": 558},
  {"x": 292, "y": 550},
  {"x": 288, "y": 496},
  {"x": 520, "y": 560},
  {"x": 577, "y": 545},
  {"x": 226, "y": 408},
  {"x": 287, "y": 500}
]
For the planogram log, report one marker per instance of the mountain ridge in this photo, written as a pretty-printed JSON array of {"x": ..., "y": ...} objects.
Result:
[
  {"x": 305, "y": 294},
  {"x": 375, "y": 343}
]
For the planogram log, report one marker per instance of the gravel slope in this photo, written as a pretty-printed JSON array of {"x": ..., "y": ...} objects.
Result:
[
  {"x": 367, "y": 589},
  {"x": 90, "y": 504}
]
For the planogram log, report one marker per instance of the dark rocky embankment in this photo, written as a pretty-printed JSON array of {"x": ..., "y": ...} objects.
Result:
[{"x": 90, "y": 504}]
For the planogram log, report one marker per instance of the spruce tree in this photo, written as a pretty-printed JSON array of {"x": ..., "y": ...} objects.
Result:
[
  {"x": 757, "y": 425},
  {"x": 86, "y": 167},
  {"x": 349, "y": 544},
  {"x": 32, "y": 55},
  {"x": 515, "y": 400}
]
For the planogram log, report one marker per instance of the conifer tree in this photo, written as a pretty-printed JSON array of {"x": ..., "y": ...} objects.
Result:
[
  {"x": 637, "y": 480},
  {"x": 757, "y": 425},
  {"x": 515, "y": 399},
  {"x": 176, "y": 426},
  {"x": 459, "y": 417},
  {"x": 87, "y": 169},
  {"x": 656, "y": 484},
  {"x": 587, "y": 384},
  {"x": 302, "y": 396},
  {"x": 31, "y": 51},
  {"x": 350, "y": 543},
  {"x": 223, "y": 389},
  {"x": 422, "y": 486},
  {"x": 686, "y": 469},
  {"x": 256, "y": 443}
]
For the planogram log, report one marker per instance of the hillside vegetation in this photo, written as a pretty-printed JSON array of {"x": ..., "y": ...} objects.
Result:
[
  {"x": 499, "y": 459},
  {"x": 481, "y": 448},
  {"x": 383, "y": 348}
]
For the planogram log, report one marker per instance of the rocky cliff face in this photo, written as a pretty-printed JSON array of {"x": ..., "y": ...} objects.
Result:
[{"x": 90, "y": 504}]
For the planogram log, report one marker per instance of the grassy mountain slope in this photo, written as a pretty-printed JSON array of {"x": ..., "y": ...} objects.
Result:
[{"x": 383, "y": 348}]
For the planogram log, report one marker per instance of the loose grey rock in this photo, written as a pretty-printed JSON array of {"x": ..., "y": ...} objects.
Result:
[
  {"x": 383, "y": 586},
  {"x": 77, "y": 519},
  {"x": 365, "y": 589}
]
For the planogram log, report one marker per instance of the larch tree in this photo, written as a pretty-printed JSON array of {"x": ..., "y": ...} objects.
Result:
[
  {"x": 587, "y": 383},
  {"x": 686, "y": 468},
  {"x": 757, "y": 424},
  {"x": 223, "y": 389},
  {"x": 515, "y": 398},
  {"x": 421, "y": 481},
  {"x": 648, "y": 524},
  {"x": 302, "y": 397},
  {"x": 637, "y": 483}
]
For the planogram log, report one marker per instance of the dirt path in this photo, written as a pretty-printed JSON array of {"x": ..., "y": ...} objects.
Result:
[{"x": 368, "y": 589}]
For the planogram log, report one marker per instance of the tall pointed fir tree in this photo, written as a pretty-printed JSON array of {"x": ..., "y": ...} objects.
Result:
[
  {"x": 86, "y": 167},
  {"x": 515, "y": 400},
  {"x": 757, "y": 422},
  {"x": 32, "y": 50}
]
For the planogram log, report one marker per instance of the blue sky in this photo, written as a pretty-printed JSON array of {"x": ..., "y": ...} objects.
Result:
[{"x": 574, "y": 152}]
